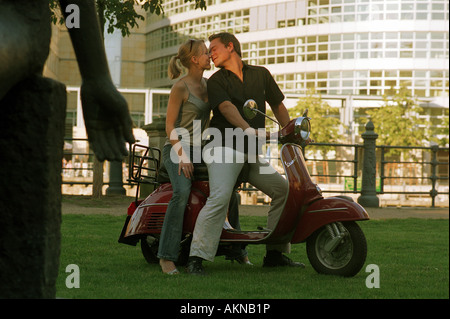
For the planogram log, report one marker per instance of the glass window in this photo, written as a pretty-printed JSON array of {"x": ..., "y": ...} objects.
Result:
[
  {"x": 438, "y": 6},
  {"x": 376, "y": 73},
  {"x": 335, "y": 37},
  {"x": 335, "y": 46},
  {"x": 363, "y": 8},
  {"x": 349, "y": 36},
  {"x": 421, "y": 15},
  {"x": 436, "y": 74},
  {"x": 349, "y": 55},
  {"x": 406, "y": 44},
  {"x": 347, "y": 74},
  {"x": 407, "y": 6},
  {"x": 349, "y": 17},
  {"x": 407, "y": 16},
  {"x": 335, "y": 9},
  {"x": 391, "y": 16},
  {"x": 406, "y": 54},
  {"x": 391, "y": 45},
  {"x": 349, "y": 46},
  {"x": 392, "y": 7},
  {"x": 405, "y": 74},
  {"x": 363, "y": 45},
  {"x": 422, "y": 6},
  {"x": 390, "y": 73},
  {"x": 363, "y": 55},
  {"x": 349, "y": 9},
  {"x": 335, "y": 56},
  {"x": 420, "y": 54}
]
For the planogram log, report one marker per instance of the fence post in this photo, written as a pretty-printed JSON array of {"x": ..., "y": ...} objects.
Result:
[
  {"x": 157, "y": 137},
  {"x": 115, "y": 179},
  {"x": 368, "y": 196},
  {"x": 434, "y": 177}
]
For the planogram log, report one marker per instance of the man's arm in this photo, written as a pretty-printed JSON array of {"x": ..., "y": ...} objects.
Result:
[
  {"x": 281, "y": 114},
  {"x": 105, "y": 111},
  {"x": 231, "y": 113}
]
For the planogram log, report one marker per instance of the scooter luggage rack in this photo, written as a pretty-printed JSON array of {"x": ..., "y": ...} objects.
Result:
[{"x": 144, "y": 164}]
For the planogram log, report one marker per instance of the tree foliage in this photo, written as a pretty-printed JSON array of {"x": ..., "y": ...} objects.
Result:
[
  {"x": 325, "y": 120},
  {"x": 398, "y": 122},
  {"x": 121, "y": 14}
]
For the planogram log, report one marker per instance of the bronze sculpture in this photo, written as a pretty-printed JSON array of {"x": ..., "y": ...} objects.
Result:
[{"x": 32, "y": 112}]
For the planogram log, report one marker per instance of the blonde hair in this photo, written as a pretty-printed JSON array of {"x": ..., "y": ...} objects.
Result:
[{"x": 185, "y": 52}]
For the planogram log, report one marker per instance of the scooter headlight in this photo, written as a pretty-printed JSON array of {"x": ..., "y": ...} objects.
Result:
[{"x": 302, "y": 128}]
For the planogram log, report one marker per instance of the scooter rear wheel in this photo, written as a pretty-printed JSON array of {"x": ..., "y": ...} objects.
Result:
[
  {"x": 150, "y": 246},
  {"x": 346, "y": 259}
]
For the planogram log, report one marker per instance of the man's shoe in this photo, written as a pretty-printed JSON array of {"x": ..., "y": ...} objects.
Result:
[
  {"x": 277, "y": 259},
  {"x": 195, "y": 267}
]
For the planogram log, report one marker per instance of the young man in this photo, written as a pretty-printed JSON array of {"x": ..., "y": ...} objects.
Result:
[{"x": 228, "y": 89}]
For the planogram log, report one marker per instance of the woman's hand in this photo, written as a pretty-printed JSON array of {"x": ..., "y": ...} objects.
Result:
[{"x": 186, "y": 167}]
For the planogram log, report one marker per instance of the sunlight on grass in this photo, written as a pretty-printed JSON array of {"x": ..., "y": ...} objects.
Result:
[{"x": 412, "y": 255}]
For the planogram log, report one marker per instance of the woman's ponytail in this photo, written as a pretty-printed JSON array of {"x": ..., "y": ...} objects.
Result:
[{"x": 174, "y": 69}]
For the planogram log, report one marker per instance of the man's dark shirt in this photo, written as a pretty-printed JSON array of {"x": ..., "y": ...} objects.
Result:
[{"x": 258, "y": 85}]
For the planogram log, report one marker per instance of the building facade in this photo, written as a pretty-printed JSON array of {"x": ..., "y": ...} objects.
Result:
[
  {"x": 351, "y": 52},
  {"x": 346, "y": 50},
  {"x": 359, "y": 47}
]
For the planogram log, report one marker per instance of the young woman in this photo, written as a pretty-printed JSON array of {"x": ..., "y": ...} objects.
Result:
[{"x": 188, "y": 110}]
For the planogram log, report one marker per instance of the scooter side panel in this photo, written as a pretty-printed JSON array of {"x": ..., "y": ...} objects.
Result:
[
  {"x": 149, "y": 215},
  {"x": 148, "y": 218},
  {"x": 325, "y": 211}
]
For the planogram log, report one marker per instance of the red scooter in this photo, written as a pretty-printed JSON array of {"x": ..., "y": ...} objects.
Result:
[{"x": 335, "y": 243}]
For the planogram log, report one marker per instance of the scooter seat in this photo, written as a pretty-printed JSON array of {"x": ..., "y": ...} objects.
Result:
[{"x": 200, "y": 173}]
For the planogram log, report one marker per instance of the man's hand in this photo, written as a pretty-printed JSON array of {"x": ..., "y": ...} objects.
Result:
[{"x": 108, "y": 122}]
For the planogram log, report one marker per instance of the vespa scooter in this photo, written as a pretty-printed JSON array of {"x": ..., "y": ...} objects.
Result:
[{"x": 335, "y": 243}]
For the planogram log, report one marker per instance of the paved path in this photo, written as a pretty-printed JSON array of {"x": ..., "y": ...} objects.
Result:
[
  {"x": 374, "y": 213},
  {"x": 119, "y": 208}
]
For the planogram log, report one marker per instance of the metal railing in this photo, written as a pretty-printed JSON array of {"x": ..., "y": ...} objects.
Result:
[
  {"x": 425, "y": 174},
  {"x": 420, "y": 174}
]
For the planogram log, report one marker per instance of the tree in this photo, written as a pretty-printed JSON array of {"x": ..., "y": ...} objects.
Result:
[
  {"x": 439, "y": 132},
  {"x": 325, "y": 119},
  {"x": 398, "y": 123},
  {"x": 121, "y": 14}
]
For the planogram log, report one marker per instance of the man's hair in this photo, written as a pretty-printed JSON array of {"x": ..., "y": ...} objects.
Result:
[{"x": 226, "y": 38}]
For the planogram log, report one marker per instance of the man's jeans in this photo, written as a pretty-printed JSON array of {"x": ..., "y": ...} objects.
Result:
[{"x": 224, "y": 165}]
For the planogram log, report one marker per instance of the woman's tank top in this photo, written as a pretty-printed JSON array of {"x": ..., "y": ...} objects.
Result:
[{"x": 193, "y": 119}]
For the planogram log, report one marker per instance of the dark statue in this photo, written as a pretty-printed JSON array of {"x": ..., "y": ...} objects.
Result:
[{"x": 32, "y": 135}]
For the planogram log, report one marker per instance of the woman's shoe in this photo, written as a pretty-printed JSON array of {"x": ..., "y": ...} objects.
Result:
[
  {"x": 163, "y": 263},
  {"x": 172, "y": 272}
]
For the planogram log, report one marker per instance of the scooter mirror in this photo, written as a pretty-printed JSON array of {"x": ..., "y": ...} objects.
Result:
[{"x": 250, "y": 109}]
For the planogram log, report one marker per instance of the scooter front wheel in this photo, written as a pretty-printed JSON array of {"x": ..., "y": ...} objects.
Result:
[{"x": 337, "y": 249}]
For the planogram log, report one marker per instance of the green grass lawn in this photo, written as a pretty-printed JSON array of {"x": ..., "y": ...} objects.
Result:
[{"x": 412, "y": 256}]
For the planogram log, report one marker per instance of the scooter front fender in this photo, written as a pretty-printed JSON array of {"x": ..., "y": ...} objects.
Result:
[{"x": 326, "y": 211}]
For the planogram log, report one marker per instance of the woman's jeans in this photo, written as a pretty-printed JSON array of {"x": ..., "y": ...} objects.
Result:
[{"x": 169, "y": 242}]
